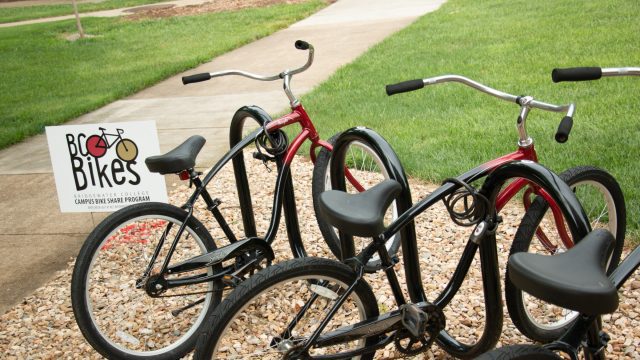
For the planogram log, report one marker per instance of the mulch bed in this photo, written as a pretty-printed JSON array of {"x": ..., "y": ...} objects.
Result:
[
  {"x": 209, "y": 7},
  {"x": 43, "y": 326}
]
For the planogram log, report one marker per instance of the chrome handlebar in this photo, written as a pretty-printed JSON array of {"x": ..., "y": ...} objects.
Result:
[
  {"x": 520, "y": 100},
  {"x": 300, "y": 45},
  {"x": 285, "y": 75},
  {"x": 625, "y": 71},
  {"x": 526, "y": 103}
]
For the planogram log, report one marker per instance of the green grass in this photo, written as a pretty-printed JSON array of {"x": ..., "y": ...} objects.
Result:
[
  {"x": 47, "y": 80},
  {"x": 12, "y": 14},
  {"x": 512, "y": 45}
]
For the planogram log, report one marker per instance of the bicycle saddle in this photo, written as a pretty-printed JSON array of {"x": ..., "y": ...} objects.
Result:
[
  {"x": 183, "y": 157},
  {"x": 360, "y": 214},
  {"x": 574, "y": 280}
]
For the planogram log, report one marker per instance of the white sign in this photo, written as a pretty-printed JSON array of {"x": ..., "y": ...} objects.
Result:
[{"x": 100, "y": 167}]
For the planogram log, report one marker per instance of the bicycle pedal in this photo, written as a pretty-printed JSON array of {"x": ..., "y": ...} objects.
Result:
[{"x": 414, "y": 319}]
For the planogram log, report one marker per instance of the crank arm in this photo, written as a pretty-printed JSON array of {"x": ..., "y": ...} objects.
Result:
[
  {"x": 222, "y": 254},
  {"x": 350, "y": 354},
  {"x": 381, "y": 324},
  {"x": 367, "y": 328}
]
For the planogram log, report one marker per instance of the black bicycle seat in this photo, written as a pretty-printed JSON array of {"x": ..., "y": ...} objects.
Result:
[
  {"x": 575, "y": 280},
  {"x": 360, "y": 214},
  {"x": 183, "y": 157}
]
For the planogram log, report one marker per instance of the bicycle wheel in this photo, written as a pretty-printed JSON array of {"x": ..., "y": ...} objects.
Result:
[
  {"x": 367, "y": 169},
  {"x": 122, "y": 321},
  {"x": 251, "y": 322},
  {"x": 96, "y": 146},
  {"x": 520, "y": 352},
  {"x": 127, "y": 150},
  {"x": 602, "y": 199}
]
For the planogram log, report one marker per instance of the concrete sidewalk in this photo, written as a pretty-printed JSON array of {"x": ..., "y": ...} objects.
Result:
[{"x": 36, "y": 239}]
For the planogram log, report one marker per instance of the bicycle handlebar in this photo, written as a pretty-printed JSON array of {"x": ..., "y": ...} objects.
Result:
[
  {"x": 591, "y": 73},
  {"x": 405, "y": 86},
  {"x": 300, "y": 45},
  {"x": 524, "y": 101}
]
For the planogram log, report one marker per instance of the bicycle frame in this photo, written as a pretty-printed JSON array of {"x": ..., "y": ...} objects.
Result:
[
  {"x": 497, "y": 172},
  {"x": 284, "y": 187},
  {"x": 283, "y": 194},
  {"x": 590, "y": 327},
  {"x": 529, "y": 153},
  {"x": 106, "y": 140}
]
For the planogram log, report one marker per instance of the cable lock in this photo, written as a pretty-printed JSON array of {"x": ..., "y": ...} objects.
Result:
[
  {"x": 472, "y": 209},
  {"x": 273, "y": 144}
]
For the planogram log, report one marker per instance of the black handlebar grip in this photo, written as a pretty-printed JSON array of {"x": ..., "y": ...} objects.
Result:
[
  {"x": 562, "y": 135},
  {"x": 302, "y": 45},
  {"x": 195, "y": 78},
  {"x": 404, "y": 86},
  {"x": 576, "y": 74}
]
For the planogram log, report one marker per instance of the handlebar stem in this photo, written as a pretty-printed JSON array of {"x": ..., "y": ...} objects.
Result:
[
  {"x": 286, "y": 76},
  {"x": 525, "y": 140}
]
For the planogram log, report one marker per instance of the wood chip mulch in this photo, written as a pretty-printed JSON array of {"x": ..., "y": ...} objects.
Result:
[{"x": 43, "y": 326}]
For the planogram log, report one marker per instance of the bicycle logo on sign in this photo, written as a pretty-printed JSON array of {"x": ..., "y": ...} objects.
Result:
[{"x": 97, "y": 145}]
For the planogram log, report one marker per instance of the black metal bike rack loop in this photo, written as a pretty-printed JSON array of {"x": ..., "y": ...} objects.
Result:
[
  {"x": 242, "y": 183},
  {"x": 396, "y": 172}
]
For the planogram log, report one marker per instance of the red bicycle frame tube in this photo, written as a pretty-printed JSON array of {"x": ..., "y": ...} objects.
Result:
[
  {"x": 529, "y": 153},
  {"x": 308, "y": 132}
]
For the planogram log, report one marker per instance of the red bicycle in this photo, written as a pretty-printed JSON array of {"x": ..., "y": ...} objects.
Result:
[
  {"x": 596, "y": 189},
  {"x": 597, "y": 293},
  {"x": 148, "y": 275}
]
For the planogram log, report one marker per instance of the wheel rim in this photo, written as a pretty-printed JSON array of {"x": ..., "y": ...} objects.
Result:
[
  {"x": 599, "y": 207},
  {"x": 140, "y": 338},
  {"x": 271, "y": 307},
  {"x": 368, "y": 162},
  {"x": 127, "y": 150},
  {"x": 96, "y": 146}
]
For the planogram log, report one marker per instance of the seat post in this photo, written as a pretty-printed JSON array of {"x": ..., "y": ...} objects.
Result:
[
  {"x": 387, "y": 264},
  {"x": 212, "y": 204}
]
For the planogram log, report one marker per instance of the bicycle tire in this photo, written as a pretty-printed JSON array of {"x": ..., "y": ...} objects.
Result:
[
  {"x": 515, "y": 299},
  {"x": 96, "y": 146},
  {"x": 321, "y": 182},
  {"x": 259, "y": 293},
  {"x": 520, "y": 352},
  {"x": 112, "y": 314},
  {"x": 127, "y": 150}
]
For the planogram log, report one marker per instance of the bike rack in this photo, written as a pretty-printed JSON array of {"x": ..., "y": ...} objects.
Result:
[
  {"x": 244, "y": 193},
  {"x": 396, "y": 172}
]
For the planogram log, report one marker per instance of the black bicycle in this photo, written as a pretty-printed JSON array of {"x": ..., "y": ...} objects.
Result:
[
  {"x": 584, "y": 286},
  {"x": 147, "y": 276},
  {"x": 542, "y": 229},
  {"x": 314, "y": 308}
]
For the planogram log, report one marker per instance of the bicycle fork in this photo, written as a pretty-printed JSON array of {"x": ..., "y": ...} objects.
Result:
[{"x": 557, "y": 218}]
